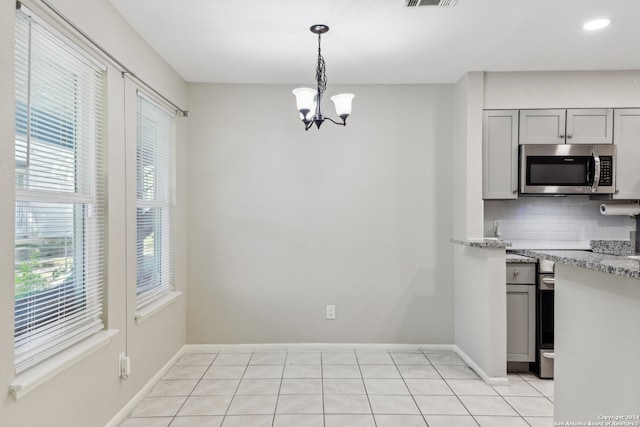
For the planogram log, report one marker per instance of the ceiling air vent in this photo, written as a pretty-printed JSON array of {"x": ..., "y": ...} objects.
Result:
[{"x": 436, "y": 3}]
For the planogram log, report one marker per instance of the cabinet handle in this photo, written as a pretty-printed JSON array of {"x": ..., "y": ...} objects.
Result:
[
  {"x": 516, "y": 272},
  {"x": 569, "y": 136},
  {"x": 561, "y": 136}
]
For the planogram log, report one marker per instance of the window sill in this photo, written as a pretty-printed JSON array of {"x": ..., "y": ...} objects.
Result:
[
  {"x": 34, "y": 377},
  {"x": 156, "y": 306}
]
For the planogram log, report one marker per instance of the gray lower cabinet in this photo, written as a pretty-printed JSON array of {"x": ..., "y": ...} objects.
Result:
[{"x": 521, "y": 312}]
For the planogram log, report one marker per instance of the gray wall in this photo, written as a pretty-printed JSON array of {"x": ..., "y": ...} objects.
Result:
[
  {"x": 561, "y": 89},
  {"x": 283, "y": 222}
]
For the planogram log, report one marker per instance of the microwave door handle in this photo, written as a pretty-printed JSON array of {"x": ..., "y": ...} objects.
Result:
[{"x": 596, "y": 172}]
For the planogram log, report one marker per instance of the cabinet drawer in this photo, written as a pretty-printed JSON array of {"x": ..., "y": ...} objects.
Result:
[{"x": 521, "y": 273}]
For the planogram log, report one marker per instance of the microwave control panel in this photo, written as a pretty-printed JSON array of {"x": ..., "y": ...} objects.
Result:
[{"x": 606, "y": 169}]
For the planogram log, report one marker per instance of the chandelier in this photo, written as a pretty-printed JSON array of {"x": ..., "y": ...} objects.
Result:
[{"x": 309, "y": 101}]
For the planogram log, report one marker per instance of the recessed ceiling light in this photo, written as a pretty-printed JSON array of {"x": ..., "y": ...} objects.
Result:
[{"x": 596, "y": 24}]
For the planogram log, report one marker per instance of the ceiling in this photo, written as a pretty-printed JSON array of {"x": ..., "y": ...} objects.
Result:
[{"x": 382, "y": 41}]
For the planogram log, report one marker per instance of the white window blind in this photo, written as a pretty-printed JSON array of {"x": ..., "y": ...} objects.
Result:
[
  {"x": 155, "y": 166},
  {"x": 60, "y": 204}
]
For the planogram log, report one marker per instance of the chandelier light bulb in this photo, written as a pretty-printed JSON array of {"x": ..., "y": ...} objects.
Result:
[
  {"x": 305, "y": 101},
  {"x": 343, "y": 104}
]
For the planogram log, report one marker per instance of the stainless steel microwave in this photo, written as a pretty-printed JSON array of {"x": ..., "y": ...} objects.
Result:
[{"x": 567, "y": 169}]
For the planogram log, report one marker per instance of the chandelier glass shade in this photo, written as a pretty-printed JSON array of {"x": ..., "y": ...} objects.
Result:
[{"x": 309, "y": 101}]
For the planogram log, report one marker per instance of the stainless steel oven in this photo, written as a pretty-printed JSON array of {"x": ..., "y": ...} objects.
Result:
[
  {"x": 567, "y": 169},
  {"x": 544, "y": 318}
]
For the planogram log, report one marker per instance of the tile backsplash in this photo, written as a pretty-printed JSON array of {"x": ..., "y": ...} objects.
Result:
[{"x": 553, "y": 222}]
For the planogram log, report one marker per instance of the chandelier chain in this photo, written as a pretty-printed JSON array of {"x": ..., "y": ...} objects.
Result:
[{"x": 321, "y": 77}]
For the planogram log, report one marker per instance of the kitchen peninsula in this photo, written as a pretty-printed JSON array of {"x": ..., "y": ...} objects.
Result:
[
  {"x": 597, "y": 336},
  {"x": 481, "y": 307}
]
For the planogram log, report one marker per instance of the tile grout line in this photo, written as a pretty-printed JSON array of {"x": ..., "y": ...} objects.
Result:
[
  {"x": 530, "y": 382},
  {"x": 454, "y": 392},
  {"x": 240, "y": 382},
  {"x": 412, "y": 396},
  {"x": 324, "y": 419},
  {"x": 364, "y": 384},
  {"x": 194, "y": 387},
  {"x": 275, "y": 409},
  {"x": 514, "y": 409},
  {"x": 478, "y": 415},
  {"x": 548, "y": 398}
]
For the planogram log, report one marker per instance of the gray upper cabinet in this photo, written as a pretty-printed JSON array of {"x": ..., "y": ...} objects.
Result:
[
  {"x": 573, "y": 126},
  {"x": 500, "y": 154},
  {"x": 627, "y": 140},
  {"x": 542, "y": 126},
  {"x": 590, "y": 126}
]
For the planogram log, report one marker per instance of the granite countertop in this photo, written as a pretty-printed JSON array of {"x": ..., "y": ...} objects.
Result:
[
  {"x": 612, "y": 264},
  {"x": 482, "y": 243},
  {"x": 520, "y": 259},
  {"x": 613, "y": 247}
]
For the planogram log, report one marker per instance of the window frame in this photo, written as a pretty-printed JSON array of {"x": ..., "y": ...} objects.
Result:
[
  {"x": 77, "y": 313},
  {"x": 151, "y": 113}
]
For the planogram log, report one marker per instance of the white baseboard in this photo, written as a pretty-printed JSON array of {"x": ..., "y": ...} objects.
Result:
[
  {"x": 240, "y": 348},
  {"x": 473, "y": 365},
  {"x": 135, "y": 400}
]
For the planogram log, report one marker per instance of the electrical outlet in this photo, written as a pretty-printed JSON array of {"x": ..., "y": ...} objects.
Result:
[
  {"x": 124, "y": 366},
  {"x": 331, "y": 312}
]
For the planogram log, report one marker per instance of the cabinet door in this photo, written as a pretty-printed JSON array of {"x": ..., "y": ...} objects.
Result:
[
  {"x": 542, "y": 126},
  {"x": 500, "y": 154},
  {"x": 590, "y": 126},
  {"x": 627, "y": 140},
  {"x": 521, "y": 315}
]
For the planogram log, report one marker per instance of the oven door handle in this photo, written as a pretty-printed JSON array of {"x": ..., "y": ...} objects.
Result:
[{"x": 551, "y": 281}]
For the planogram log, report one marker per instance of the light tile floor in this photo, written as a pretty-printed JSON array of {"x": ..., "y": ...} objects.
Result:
[{"x": 338, "y": 388}]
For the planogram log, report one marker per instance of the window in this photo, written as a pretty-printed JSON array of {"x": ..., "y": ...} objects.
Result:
[
  {"x": 154, "y": 185},
  {"x": 59, "y": 206}
]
